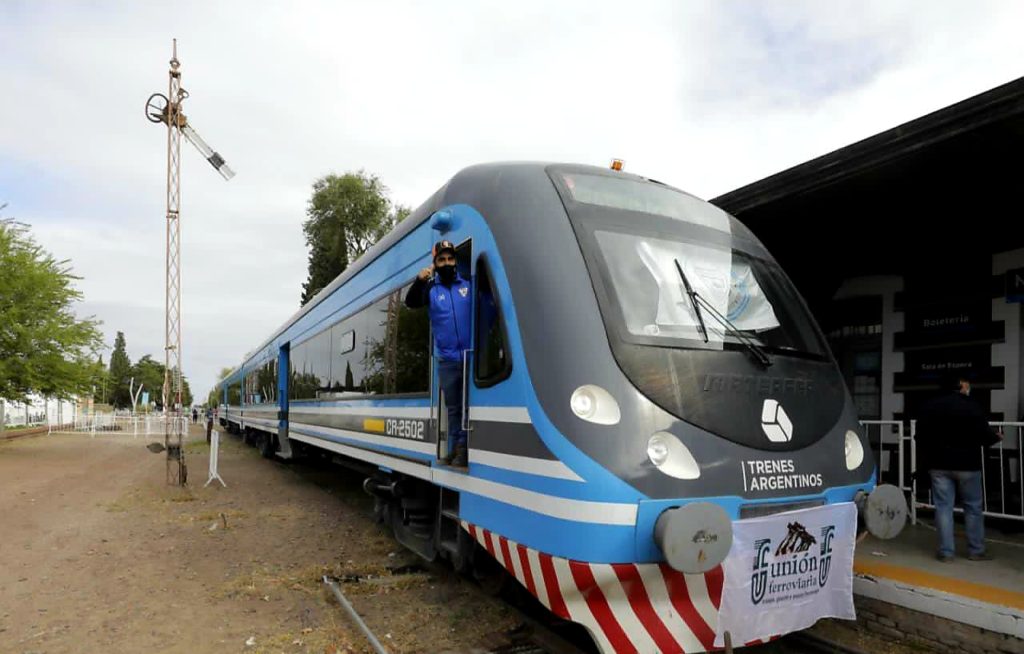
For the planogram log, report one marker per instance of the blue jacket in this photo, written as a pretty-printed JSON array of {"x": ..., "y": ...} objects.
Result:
[{"x": 450, "y": 309}]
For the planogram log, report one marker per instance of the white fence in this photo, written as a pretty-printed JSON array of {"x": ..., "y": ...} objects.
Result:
[
  {"x": 1002, "y": 466},
  {"x": 129, "y": 425},
  {"x": 36, "y": 412}
]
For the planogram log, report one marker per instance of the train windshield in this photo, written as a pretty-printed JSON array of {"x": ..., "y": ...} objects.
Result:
[{"x": 665, "y": 263}]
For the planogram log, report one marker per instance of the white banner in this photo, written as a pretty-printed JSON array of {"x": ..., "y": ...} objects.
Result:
[{"x": 786, "y": 571}]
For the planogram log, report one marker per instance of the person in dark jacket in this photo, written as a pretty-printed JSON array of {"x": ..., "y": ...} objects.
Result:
[
  {"x": 449, "y": 299},
  {"x": 209, "y": 423},
  {"x": 951, "y": 432}
]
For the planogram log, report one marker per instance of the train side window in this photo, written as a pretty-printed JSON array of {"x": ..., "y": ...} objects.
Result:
[
  {"x": 310, "y": 367},
  {"x": 234, "y": 394},
  {"x": 409, "y": 330},
  {"x": 493, "y": 363}
]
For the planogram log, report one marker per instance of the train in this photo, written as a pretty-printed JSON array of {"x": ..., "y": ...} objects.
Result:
[{"x": 644, "y": 384}]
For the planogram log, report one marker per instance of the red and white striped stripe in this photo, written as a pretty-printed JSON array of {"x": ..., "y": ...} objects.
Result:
[{"x": 626, "y": 607}]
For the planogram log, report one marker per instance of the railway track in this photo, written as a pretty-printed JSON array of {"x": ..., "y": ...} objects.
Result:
[{"x": 539, "y": 632}]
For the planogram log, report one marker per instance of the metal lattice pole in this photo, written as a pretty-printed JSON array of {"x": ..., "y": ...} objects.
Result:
[
  {"x": 173, "y": 436},
  {"x": 168, "y": 110}
]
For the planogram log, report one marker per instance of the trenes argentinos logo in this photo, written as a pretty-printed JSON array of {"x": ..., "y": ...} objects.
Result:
[{"x": 796, "y": 568}]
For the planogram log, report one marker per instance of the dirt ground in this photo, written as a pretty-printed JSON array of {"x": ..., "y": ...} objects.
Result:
[{"x": 98, "y": 554}]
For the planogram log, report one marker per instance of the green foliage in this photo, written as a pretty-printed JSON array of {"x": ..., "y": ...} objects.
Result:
[
  {"x": 346, "y": 215},
  {"x": 120, "y": 375},
  {"x": 215, "y": 396},
  {"x": 44, "y": 348},
  {"x": 150, "y": 373},
  {"x": 400, "y": 361},
  {"x": 100, "y": 377}
]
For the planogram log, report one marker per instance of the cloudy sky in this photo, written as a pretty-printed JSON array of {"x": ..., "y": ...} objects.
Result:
[{"x": 707, "y": 96}]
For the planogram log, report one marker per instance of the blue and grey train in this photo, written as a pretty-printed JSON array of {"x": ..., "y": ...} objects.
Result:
[{"x": 643, "y": 375}]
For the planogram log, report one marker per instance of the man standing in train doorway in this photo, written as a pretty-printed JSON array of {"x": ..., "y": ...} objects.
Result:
[{"x": 449, "y": 298}]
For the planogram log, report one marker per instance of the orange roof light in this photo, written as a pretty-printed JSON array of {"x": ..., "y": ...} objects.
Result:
[{"x": 616, "y": 164}]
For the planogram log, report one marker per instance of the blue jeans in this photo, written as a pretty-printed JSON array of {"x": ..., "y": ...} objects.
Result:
[
  {"x": 945, "y": 485},
  {"x": 450, "y": 373}
]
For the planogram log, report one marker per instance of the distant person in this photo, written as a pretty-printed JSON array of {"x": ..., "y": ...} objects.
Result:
[
  {"x": 195, "y": 415},
  {"x": 209, "y": 423},
  {"x": 450, "y": 301},
  {"x": 951, "y": 431}
]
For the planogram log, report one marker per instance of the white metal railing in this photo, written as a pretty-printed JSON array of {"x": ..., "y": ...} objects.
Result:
[
  {"x": 107, "y": 423},
  {"x": 1009, "y": 495},
  {"x": 1002, "y": 490},
  {"x": 888, "y": 437}
]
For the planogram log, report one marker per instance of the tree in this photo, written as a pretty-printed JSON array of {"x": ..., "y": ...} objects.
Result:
[
  {"x": 120, "y": 375},
  {"x": 186, "y": 393},
  {"x": 346, "y": 215},
  {"x": 150, "y": 374},
  {"x": 214, "y": 397},
  {"x": 100, "y": 377},
  {"x": 44, "y": 348}
]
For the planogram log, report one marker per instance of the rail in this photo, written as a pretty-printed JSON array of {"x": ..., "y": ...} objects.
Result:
[{"x": 894, "y": 449}]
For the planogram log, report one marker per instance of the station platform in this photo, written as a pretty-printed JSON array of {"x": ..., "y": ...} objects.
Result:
[{"x": 978, "y": 605}]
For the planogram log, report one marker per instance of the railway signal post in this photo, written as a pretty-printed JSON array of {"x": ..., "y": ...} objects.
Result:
[{"x": 168, "y": 110}]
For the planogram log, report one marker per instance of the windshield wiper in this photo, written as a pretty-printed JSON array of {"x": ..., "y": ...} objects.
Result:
[
  {"x": 693, "y": 300},
  {"x": 756, "y": 350}
]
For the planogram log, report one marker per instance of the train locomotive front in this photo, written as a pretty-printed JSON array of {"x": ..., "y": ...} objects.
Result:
[{"x": 676, "y": 371}]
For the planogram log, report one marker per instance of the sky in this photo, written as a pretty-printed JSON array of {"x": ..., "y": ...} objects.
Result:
[{"x": 706, "y": 96}]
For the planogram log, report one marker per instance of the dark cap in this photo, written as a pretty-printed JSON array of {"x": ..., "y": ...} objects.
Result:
[{"x": 442, "y": 246}]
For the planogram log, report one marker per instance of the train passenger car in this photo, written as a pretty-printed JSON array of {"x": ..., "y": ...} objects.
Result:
[{"x": 644, "y": 380}]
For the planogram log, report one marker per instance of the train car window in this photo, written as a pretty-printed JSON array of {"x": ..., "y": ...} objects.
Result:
[
  {"x": 235, "y": 394},
  {"x": 383, "y": 349},
  {"x": 311, "y": 367},
  {"x": 492, "y": 361},
  {"x": 346, "y": 363},
  {"x": 464, "y": 257},
  {"x": 265, "y": 382},
  {"x": 411, "y": 335},
  {"x": 251, "y": 381},
  {"x": 368, "y": 359},
  {"x": 296, "y": 363}
]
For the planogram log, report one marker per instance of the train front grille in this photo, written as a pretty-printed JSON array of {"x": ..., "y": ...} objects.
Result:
[{"x": 771, "y": 508}]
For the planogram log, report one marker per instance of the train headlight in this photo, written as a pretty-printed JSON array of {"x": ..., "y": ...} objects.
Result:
[
  {"x": 671, "y": 457},
  {"x": 594, "y": 404},
  {"x": 657, "y": 450},
  {"x": 854, "y": 450}
]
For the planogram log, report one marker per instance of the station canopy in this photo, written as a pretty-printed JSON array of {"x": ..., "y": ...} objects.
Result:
[{"x": 933, "y": 198}]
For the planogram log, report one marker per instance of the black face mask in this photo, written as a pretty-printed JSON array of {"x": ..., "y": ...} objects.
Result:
[{"x": 446, "y": 273}]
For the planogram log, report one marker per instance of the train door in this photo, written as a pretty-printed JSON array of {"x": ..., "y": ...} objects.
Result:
[
  {"x": 283, "y": 379},
  {"x": 439, "y": 403}
]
